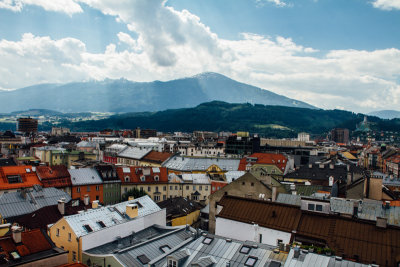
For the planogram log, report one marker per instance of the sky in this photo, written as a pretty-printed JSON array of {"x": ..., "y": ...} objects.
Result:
[{"x": 334, "y": 54}]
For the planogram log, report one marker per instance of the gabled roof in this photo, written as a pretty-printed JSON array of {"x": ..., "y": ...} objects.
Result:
[
  {"x": 278, "y": 160},
  {"x": 352, "y": 238},
  {"x": 54, "y": 176},
  {"x": 22, "y": 176},
  {"x": 107, "y": 173},
  {"x": 14, "y": 204},
  {"x": 133, "y": 153},
  {"x": 84, "y": 176},
  {"x": 142, "y": 175},
  {"x": 156, "y": 157},
  {"x": 108, "y": 215},
  {"x": 35, "y": 245}
]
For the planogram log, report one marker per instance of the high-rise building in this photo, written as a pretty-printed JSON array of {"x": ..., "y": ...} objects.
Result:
[
  {"x": 339, "y": 135},
  {"x": 27, "y": 125}
]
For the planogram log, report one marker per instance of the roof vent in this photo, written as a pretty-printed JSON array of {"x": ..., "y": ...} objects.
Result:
[
  {"x": 228, "y": 240},
  {"x": 338, "y": 258}
]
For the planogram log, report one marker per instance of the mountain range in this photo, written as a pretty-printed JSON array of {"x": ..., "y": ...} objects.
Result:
[
  {"x": 386, "y": 114},
  {"x": 273, "y": 121},
  {"x": 126, "y": 96}
]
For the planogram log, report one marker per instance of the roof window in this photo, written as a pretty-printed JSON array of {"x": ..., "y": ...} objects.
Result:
[
  {"x": 101, "y": 223},
  {"x": 143, "y": 259},
  {"x": 165, "y": 248},
  {"x": 207, "y": 240},
  {"x": 245, "y": 250},
  {"x": 251, "y": 261},
  {"x": 88, "y": 228}
]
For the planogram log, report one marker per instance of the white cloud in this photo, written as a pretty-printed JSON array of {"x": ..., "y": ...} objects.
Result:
[
  {"x": 173, "y": 44},
  {"x": 278, "y": 3},
  {"x": 65, "y": 6},
  {"x": 386, "y": 4}
]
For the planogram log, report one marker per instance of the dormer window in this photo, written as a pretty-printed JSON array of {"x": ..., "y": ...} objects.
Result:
[
  {"x": 142, "y": 178},
  {"x": 172, "y": 263},
  {"x": 156, "y": 178},
  {"x": 126, "y": 178}
]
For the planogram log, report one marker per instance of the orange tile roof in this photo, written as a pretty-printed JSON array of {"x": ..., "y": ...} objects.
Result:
[
  {"x": 278, "y": 160},
  {"x": 137, "y": 172},
  {"x": 157, "y": 157},
  {"x": 28, "y": 178},
  {"x": 54, "y": 176}
]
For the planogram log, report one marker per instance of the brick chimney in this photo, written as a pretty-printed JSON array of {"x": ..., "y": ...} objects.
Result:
[
  {"x": 61, "y": 206},
  {"x": 16, "y": 233}
]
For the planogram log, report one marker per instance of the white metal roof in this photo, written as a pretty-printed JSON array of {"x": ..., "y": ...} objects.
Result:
[
  {"x": 201, "y": 164},
  {"x": 133, "y": 153},
  {"x": 109, "y": 215},
  {"x": 196, "y": 178},
  {"x": 84, "y": 176}
]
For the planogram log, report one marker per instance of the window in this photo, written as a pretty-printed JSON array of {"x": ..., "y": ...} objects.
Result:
[
  {"x": 143, "y": 259},
  {"x": 69, "y": 237},
  {"x": 200, "y": 188},
  {"x": 245, "y": 250},
  {"x": 213, "y": 188},
  {"x": 187, "y": 187},
  {"x": 311, "y": 206},
  {"x": 73, "y": 256},
  {"x": 165, "y": 188},
  {"x": 142, "y": 178},
  {"x": 176, "y": 187},
  {"x": 97, "y": 197},
  {"x": 251, "y": 261},
  {"x": 101, "y": 223},
  {"x": 164, "y": 197},
  {"x": 58, "y": 232},
  {"x": 252, "y": 184},
  {"x": 13, "y": 179},
  {"x": 97, "y": 187},
  {"x": 194, "y": 188},
  {"x": 318, "y": 207},
  {"x": 156, "y": 178},
  {"x": 127, "y": 179},
  {"x": 125, "y": 189},
  {"x": 165, "y": 248},
  {"x": 243, "y": 183},
  {"x": 156, "y": 188},
  {"x": 207, "y": 240},
  {"x": 78, "y": 189},
  {"x": 195, "y": 197},
  {"x": 156, "y": 198},
  {"x": 206, "y": 187},
  {"x": 88, "y": 228},
  {"x": 259, "y": 238},
  {"x": 148, "y": 189},
  {"x": 88, "y": 189},
  {"x": 172, "y": 263},
  {"x": 278, "y": 241},
  {"x": 170, "y": 187}
]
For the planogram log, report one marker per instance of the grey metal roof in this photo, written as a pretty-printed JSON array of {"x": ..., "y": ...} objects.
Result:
[
  {"x": 200, "y": 164},
  {"x": 233, "y": 175},
  {"x": 15, "y": 204},
  {"x": 85, "y": 176},
  {"x": 151, "y": 248},
  {"x": 133, "y": 239},
  {"x": 133, "y": 153},
  {"x": 313, "y": 259},
  {"x": 391, "y": 181},
  {"x": 367, "y": 209},
  {"x": 196, "y": 178},
  {"x": 109, "y": 215},
  {"x": 86, "y": 144},
  {"x": 224, "y": 250}
]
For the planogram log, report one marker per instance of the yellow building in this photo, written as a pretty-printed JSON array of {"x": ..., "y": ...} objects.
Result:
[
  {"x": 100, "y": 225},
  {"x": 181, "y": 211}
]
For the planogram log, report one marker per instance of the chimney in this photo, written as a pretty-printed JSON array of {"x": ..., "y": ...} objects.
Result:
[
  {"x": 95, "y": 204},
  {"x": 61, "y": 206},
  {"x": 355, "y": 209},
  {"x": 296, "y": 254},
  {"x": 274, "y": 193},
  {"x": 381, "y": 222},
  {"x": 131, "y": 198},
  {"x": 321, "y": 166},
  {"x": 16, "y": 233},
  {"x": 132, "y": 210},
  {"x": 331, "y": 166},
  {"x": 86, "y": 200}
]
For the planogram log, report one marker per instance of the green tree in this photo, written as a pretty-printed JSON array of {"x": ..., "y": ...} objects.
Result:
[{"x": 134, "y": 192}]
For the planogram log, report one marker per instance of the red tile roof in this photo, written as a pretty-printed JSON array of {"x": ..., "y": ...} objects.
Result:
[
  {"x": 156, "y": 157},
  {"x": 278, "y": 160},
  {"x": 28, "y": 177},
  {"x": 54, "y": 176},
  {"x": 32, "y": 242},
  {"x": 136, "y": 173}
]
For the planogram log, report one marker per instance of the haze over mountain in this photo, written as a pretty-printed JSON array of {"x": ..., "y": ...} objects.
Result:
[
  {"x": 127, "y": 96},
  {"x": 386, "y": 114}
]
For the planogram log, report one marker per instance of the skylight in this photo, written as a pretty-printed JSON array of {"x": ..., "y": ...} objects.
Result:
[
  {"x": 88, "y": 228},
  {"x": 165, "y": 248},
  {"x": 245, "y": 250},
  {"x": 102, "y": 225},
  {"x": 251, "y": 261},
  {"x": 143, "y": 259},
  {"x": 207, "y": 240}
]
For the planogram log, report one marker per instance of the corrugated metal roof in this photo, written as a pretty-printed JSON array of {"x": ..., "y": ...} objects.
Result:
[
  {"x": 289, "y": 199},
  {"x": 133, "y": 153},
  {"x": 14, "y": 204},
  {"x": 233, "y": 175},
  {"x": 109, "y": 215},
  {"x": 84, "y": 176},
  {"x": 200, "y": 164},
  {"x": 313, "y": 259},
  {"x": 196, "y": 178}
]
